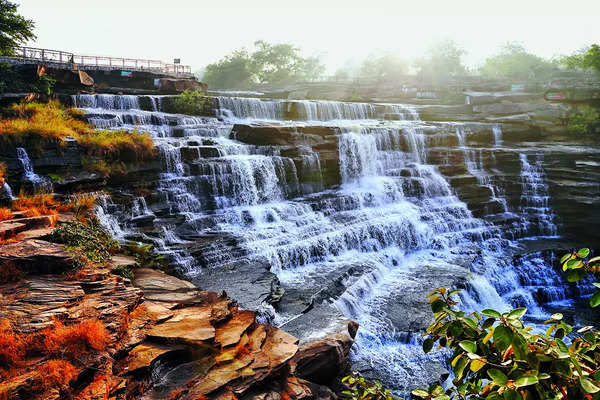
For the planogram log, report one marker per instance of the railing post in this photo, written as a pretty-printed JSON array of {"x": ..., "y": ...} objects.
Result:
[{"x": 43, "y": 55}]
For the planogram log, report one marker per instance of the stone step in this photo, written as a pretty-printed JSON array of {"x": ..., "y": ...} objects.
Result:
[{"x": 9, "y": 229}]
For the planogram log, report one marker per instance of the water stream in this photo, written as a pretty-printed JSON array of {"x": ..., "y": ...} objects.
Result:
[{"x": 390, "y": 229}]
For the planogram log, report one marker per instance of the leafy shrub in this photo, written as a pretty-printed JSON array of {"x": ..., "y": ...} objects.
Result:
[
  {"x": 580, "y": 122},
  {"x": 188, "y": 102},
  {"x": 578, "y": 265},
  {"x": 495, "y": 356},
  {"x": 124, "y": 271},
  {"x": 146, "y": 257},
  {"x": 359, "y": 388},
  {"x": 95, "y": 242},
  {"x": 14, "y": 81}
]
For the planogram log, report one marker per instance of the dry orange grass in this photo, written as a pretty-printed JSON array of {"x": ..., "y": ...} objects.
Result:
[
  {"x": 76, "y": 339},
  {"x": 35, "y": 205},
  {"x": 51, "y": 122},
  {"x": 2, "y": 173},
  {"x": 54, "y": 374},
  {"x": 11, "y": 345},
  {"x": 5, "y": 214},
  {"x": 39, "y": 122}
]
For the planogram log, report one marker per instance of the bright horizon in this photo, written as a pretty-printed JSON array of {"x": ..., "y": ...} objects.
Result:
[{"x": 338, "y": 31}]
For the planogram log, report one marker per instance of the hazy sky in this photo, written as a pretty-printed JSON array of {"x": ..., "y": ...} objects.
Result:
[{"x": 200, "y": 32}]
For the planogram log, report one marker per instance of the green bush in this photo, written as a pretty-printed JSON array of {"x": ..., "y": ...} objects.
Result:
[
  {"x": 359, "y": 388},
  {"x": 12, "y": 80},
  {"x": 496, "y": 356},
  {"x": 580, "y": 122},
  {"x": 91, "y": 239},
  {"x": 124, "y": 271},
  {"x": 188, "y": 102}
]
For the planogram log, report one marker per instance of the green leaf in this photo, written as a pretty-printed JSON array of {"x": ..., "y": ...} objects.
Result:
[
  {"x": 460, "y": 367},
  {"x": 468, "y": 346},
  {"x": 557, "y": 316},
  {"x": 488, "y": 312},
  {"x": 422, "y": 393},
  {"x": 427, "y": 345},
  {"x": 595, "y": 300},
  {"x": 476, "y": 365},
  {"x": 517, "y": 313},
  {"x": 597, "y": 284},
  {"x": 574, "y": 264},
  {"x": 594, "y": 259},
  {"x": 503, "y": 337},
  {"x": 588, "y": 385},
  {"x": 565, "y": 258},
  {"x": 437, "y": 306},
  {"x": 497, "y": 376},
  {"x": 512, "y": 395},
  {"x": 583, "y": 253},
  {"x": 575, "y": 275},
  {"x": 526, "y": 380}
]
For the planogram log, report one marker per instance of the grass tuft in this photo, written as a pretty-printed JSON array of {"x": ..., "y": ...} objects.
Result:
[{"x": 75, "y": 340}]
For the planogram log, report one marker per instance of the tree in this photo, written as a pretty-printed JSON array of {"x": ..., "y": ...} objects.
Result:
[
  {"x": 443, "y": 60},
  {"x": 233, "y": 71},
  {"x": 587, "y": 58},
  {"x": 514, "y": 62},
  {"x": 385, "y": 67},
  {"x": 269, "y": 63},
  {"x": 15, "y": 29}
]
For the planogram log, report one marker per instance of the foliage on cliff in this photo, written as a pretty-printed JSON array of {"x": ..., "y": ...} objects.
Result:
[
  {"x": 15, "y": 28},
  {"x": 188, "y": 102},
  {"x": 13, "y": 80},
  {"x": 35, "y": 124},
  {"x": 587, "y": 58},
  {"x": 89, "y": 239},
  {"x": 513, "y": 61},
  {"x": 581, "y": 121},
  {"x": 269, "y": 63}
]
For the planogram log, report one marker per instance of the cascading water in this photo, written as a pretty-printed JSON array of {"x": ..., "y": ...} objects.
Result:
[
  {"x": 370, "y": 246},
  {"x": 39, "y": 183},
  {"x": 535, "y": 200}
]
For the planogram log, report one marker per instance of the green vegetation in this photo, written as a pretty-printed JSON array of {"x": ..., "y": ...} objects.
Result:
[
  {"x": 15, "y": 29},
  {"x": 514, "y": 62},
  {"x": 587, "y": 58},
  {"x": 386, "y": 66},
  {"x": 443, "y": 60},
  {"x": 14, "y": 81},
  {"x": 581, "y": 121},
  {"x": 188, "y": 102},
  {"x": 89, "y": 240},
  {"x": 124, "y": 271},
  {"x": 269, "y": 63},
  {"x": 359, "y": 388},
  {"x": 495, "y": 356}
]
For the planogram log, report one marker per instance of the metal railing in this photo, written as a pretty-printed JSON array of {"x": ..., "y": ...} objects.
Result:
[{"x": 57, "y": 56}]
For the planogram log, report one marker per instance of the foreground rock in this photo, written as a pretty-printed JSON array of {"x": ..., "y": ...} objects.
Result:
[{"x": 169, "y": 340}]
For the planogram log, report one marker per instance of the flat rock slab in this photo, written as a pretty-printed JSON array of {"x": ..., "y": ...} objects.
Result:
[
  {"x": 187, "y": 324},
  {"x": 9, "y": 229},
  {"x": 162, "y": 287},
  {"x": 37, "y": 256},
  {"x": 145, "y": 354},
  {"x": 231, "y": 332}
]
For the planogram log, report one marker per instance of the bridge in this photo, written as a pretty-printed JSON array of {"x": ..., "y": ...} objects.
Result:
[{"x": 99, "y": 62}]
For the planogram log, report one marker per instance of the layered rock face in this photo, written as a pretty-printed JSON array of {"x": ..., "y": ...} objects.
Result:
[{"x": 314, "y": 212}]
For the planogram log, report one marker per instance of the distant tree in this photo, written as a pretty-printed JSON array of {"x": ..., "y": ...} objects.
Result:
[
  {"x": 514, "y": 62},
  {"x": 233, "y": 71},
  {"x": 15, "y": 29},
  {"x": 587, "y": 58},
  {"x": 387, "y": 66},
  {"x": 443, "y": 60},
  {"x": 269, "y": 63}
]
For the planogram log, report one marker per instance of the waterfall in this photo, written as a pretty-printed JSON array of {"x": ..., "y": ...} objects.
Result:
[
  {"x": 249, "y": 108},
  {"x": 39, "y": 183},
  {"x": 362, "y": 218},
  {"x": 497, "y": 131},
  {"x": 535, "y": 198}
]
